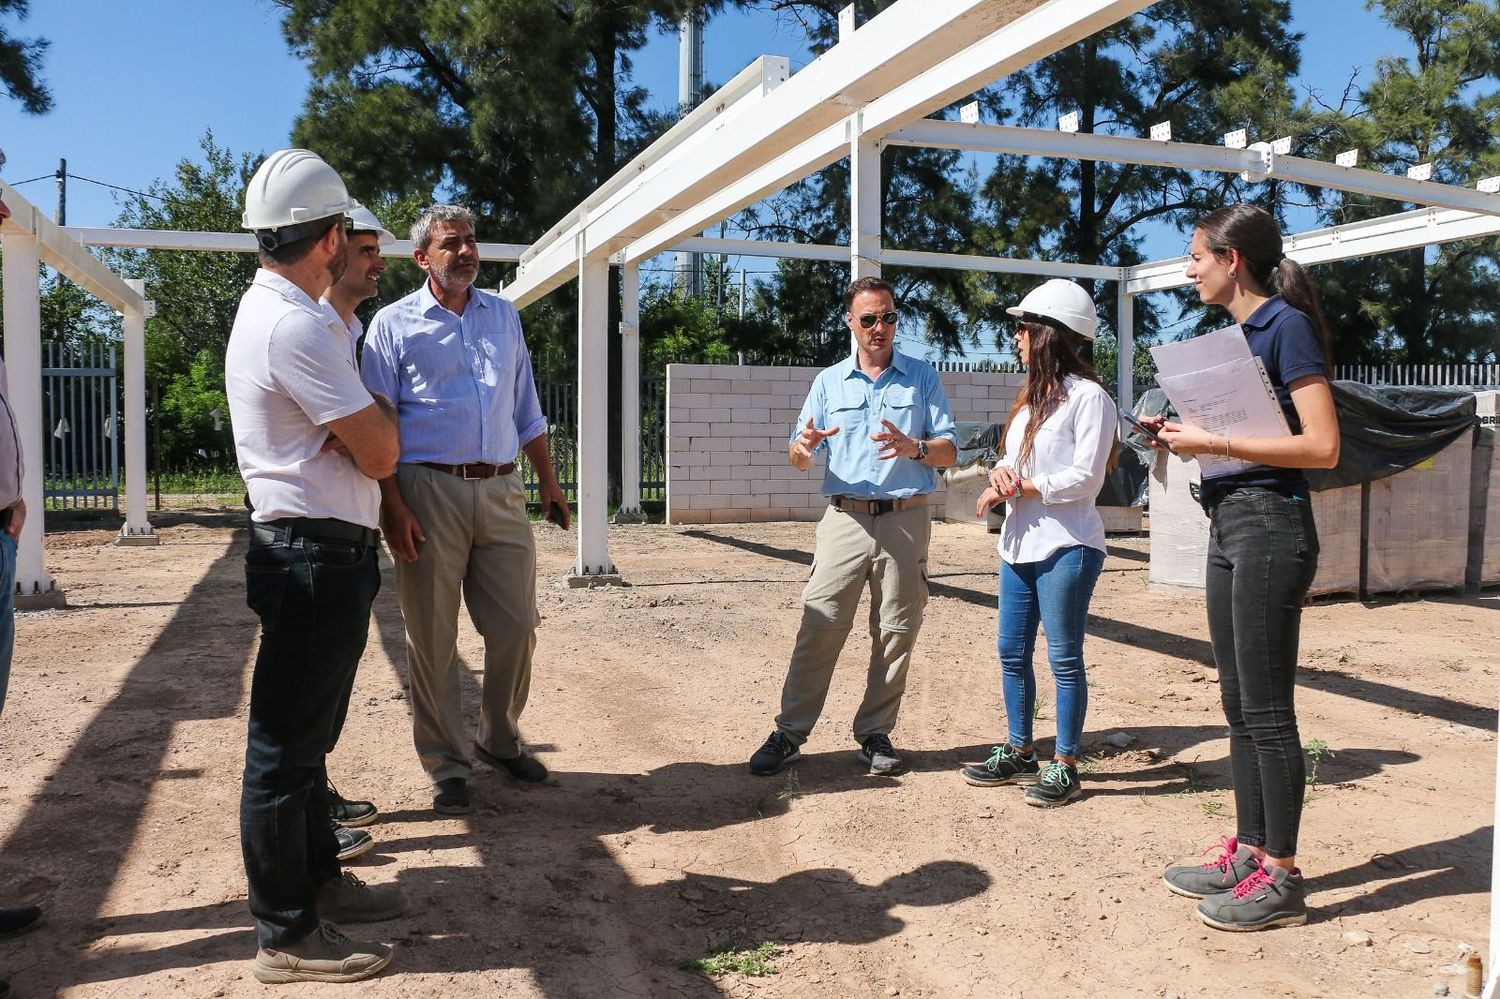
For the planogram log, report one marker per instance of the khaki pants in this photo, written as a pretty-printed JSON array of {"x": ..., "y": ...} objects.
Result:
[
  {"x": 478, "y": 541},
  {"x": 889, "y": 552}
]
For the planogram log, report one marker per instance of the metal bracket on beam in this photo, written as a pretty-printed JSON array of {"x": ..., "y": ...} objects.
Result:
[{"x": 1257, "y": 174}]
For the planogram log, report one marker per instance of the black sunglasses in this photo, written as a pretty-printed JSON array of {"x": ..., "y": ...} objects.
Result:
[{"x": 870, "y": 318}]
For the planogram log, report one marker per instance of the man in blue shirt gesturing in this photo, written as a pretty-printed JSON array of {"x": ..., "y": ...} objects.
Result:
[
  {"x": 454, "y": 361},
  {"x": 884, "y": 421}
]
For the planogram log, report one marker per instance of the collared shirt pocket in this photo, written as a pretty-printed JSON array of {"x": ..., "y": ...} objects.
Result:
[
  {"x": 899, "y": 405},
  {"x": 848, "y": 408}
]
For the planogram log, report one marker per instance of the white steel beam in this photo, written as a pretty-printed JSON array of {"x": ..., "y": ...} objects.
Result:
[
  {"x": 65, "y": 256},
  {"x": 911, "y": 92},
  {"x": 630, "y": 396},
  {"x": 243, "y": 242},
  {"x": 1259, "y": 160},
  {"x": 137, "y": 528},
  {"x": 592, "y": 566},
  {"x": 864, "y": 206},
  {"x": 839, "y": 253},
  {"x": 1000, "y": 265},
  {"x": 21, "y": 265},
  {"x": 1124, "y": 348},
  {"x": 1387, "y": 234}
]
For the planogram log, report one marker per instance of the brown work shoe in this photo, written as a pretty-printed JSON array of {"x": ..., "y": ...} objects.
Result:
[
  {"x": 347, "y": 899},
  {"x": 324, "y": 955}
]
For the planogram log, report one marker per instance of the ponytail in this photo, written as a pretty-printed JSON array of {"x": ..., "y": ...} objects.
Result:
[{"x": 1254, "y": 233}]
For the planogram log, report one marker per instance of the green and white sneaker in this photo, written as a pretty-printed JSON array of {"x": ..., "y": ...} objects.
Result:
[
  {"x": 1006, "y": 765},
  {"x": 1057, "y": 786}
]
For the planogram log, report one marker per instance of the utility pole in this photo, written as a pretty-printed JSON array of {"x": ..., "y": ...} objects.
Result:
[
  {"x": 62, "y": 192},
  {"x": 689, "y": 94}
]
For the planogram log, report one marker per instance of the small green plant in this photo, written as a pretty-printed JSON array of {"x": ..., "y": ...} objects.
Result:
[
  {"x": 1215, "y": 809},
  {"x": 758, "y": 807},
  {"x": 1317, "y": 751},
  {"x": 790, "y": 788},
  {"x": 729, "y": 960},
  {"x": 1039, "y": 709}
]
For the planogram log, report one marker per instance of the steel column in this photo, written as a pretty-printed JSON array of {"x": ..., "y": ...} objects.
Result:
[
  {"x": 22, "y": 270},
  {"x": 137, "y": 529},
  {"x": 592, "y": 565}
]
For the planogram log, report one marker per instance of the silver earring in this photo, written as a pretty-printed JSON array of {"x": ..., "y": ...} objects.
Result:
[{"x": 1231, "y": 273}]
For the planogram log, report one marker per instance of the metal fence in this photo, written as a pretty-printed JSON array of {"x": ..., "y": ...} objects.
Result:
[
  {"x": 81, "y": 403},
  {"x": 1466, "y": 375},
  {"x": 560, "y": 407},
  {"x": 654, "y": 437}
]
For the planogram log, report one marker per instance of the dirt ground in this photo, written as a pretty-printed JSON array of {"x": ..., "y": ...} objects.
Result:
[{"x": 122, "y": 742}]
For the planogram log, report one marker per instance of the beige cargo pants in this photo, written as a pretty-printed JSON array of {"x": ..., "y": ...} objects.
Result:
[{"x": 889, "y": 553}]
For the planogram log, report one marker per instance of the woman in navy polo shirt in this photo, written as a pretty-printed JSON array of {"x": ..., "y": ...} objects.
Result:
[{"x": 1262, "y": 555}]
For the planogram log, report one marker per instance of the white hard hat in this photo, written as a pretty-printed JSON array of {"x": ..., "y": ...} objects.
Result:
[
  {"x": 1062, "y": 300},
  {"x": 365, "y": 221},
  {"x": 291, "y": 192}
]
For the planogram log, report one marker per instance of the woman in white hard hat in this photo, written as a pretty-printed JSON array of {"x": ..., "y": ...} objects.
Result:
[
  {"x": 1262, "y": 556},
  {"x": 1057, "y": 447}
]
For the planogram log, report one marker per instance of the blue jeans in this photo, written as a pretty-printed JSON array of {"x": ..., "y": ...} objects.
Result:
[
  {"x": 313, "y": 598},
  {"x": 1262, "y": 557},
  {"x": 1055, "y": 593},
  {"x": 7, "y": 609}
]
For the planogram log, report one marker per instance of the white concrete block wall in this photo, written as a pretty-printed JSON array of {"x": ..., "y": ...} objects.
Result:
[{"x": 727, "y": 428}]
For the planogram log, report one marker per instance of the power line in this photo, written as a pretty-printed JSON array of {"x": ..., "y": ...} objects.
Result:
[
  {"x": 116, "y": 187},
  {"x": 45, "y": 176}
]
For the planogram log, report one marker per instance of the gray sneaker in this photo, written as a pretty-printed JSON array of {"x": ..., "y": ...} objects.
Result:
[
  {"x": 1270, "y": 896},
  {"x": 877, "y": 753},
  {"x": 347, "y": 899},
  {"x": 324, "y": 955},
  {"x": 1234, "y": 864}
]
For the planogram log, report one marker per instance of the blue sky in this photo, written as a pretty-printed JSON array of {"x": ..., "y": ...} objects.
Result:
[{"x": 136, "y": 82}]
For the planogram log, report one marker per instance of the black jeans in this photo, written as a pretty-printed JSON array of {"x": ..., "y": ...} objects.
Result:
[
  {"x": 1262, "y": 556},
  {"x": 313, "y": 598}
]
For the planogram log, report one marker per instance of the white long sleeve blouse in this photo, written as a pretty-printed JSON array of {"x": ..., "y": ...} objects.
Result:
[{"x": 1067, "y": 465}]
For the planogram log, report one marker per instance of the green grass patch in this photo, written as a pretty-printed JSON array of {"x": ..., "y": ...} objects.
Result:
[{"x": 728, "y": 960}]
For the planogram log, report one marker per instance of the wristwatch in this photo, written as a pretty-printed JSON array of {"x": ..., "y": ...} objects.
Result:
[{"x": 921, "y": 450}]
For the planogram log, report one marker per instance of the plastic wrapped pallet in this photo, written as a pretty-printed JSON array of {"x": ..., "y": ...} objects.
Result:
[
  {"x": 1179, "y": 531},
  {"x": 1418, "y": 532},
  {"x": 1121, "y": 519},
  {"x": 1484, "y": 508},
  {"x": 1336, "y": 512},
  {"x": 963, "y": 486},
  {"x": 1179, "y": 528}
]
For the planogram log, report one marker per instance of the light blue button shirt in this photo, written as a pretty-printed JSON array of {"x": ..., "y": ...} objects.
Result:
[
  {"x": 462, "y": 385},
  {"x": 908, "y": 393}
]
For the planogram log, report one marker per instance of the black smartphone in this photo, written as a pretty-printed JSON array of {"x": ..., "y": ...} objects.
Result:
[
  {"x": 558, "y": 514},
  {"x": 1140, "y": 428}
]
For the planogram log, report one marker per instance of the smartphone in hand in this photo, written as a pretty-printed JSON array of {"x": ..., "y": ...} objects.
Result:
[
  {"x": 1140, "y": 428},
  {"x": 558, "y": 514}
]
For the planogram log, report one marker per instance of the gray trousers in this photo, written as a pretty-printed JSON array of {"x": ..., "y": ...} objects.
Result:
[
  {"x": 479, "y": 543},
  {"x": 889, "y": 554}
]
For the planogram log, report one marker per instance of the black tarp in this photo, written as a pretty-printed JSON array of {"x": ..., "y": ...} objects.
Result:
[{"x": 1383, "y": 429}]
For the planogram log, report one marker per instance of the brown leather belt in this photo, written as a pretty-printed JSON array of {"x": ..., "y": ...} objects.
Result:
[
  {"x": 474, "y": 470},
  {"x": 874, "y": 508}
]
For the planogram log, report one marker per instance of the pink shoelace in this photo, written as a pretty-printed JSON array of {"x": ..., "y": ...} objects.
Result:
[
  {"x": 1227, "y": 844},
  {"x": 1254, "y": 882}
]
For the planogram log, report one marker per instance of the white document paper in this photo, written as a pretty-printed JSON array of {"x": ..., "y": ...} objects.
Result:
[{"x": 1215, "y": 383}]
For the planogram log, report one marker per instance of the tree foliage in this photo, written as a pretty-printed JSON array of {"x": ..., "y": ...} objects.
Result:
[
  {"x": 21, "y": 63},
  {"x": 1437, "y": 103}
]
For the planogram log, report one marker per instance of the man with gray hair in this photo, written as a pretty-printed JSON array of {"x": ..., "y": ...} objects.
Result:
[{"x": 453, "y": 359}]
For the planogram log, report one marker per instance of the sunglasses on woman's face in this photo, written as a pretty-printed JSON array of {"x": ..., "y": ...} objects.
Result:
[{"x": 869, "y": 319}]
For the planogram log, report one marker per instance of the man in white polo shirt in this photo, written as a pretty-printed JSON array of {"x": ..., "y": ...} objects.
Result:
[{"x": 311, "y": 443}]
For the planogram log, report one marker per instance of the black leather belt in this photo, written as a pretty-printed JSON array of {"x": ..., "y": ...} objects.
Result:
[
  {"x": 473, "y": 470},
  {"x": 874, "y": 508},
  {"x": 288, "y": 529}
]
